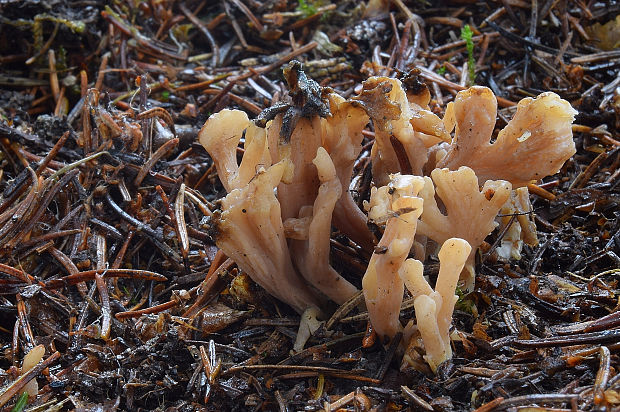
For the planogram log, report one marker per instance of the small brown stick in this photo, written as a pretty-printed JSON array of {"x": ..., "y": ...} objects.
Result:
[
  {"x": 52, "y": 153},
  {"x": 445, "y": 20},
  {"x": 121, "y": 253},
  {"x": 153, "y": 309},
  {"x": 540, "y": 192},
  {"x": 45, "y": 47},
  {"x": 602, "y": 376},
  {"x": 53, "y": 75},
  {"x": 204, "y": 209},
  {"x": 407, "y": 55},
  {"x": 292, "y": 41},
  {"x": 582, "y": 339},
  {"x": 596, "y": 57},
  {"x": 107, "y": 273},
  {"x": 246, "y": 104},
  {"x": 578, "y": 27},
  {"x": 404, "y": 9},
  {"x": 31, "y": 157},
  {"x": 204, "y": 30},
  {"x": 24, "y": 207},
  {"x": 20, "y": 382},
  {"x": 363, "y": 403},
  {"x": 158, "y": 112},
  {"x": 275, "y": 65},
  {"x": 179, "y": 215},
  {"x": 102, "y": 288},
  {"x": 62, "y": 105},
  {"x": 536, "y": 398},
  {"x": 212, "y": 280},
  {"x": 40, "y": 100},
  {"x": 117, "y": 21},
  {"x": 351, "y": 376},
  {"x": 166, "y": 202},
  {"x": 244, "y": 368},
  {"x": 202, "y": 85},
  {"x": 106, "y": 317},
  {"x": 563, "y": 47},
  {"x": 159, "y": 153},
  {"x": 83, "y": 83},
  {"x": 46, "y": 237},
  {"x": 257, "y": 24},
  {"x": 24, "y": 325},
  {"x": 18, "y": 274},
  {"x": 305, "y": 21},
  {"x": 344, "y": 309},
  {"x": 605, "y": 323},
  {"x": 91, "y": 100},
  {"x": 412, "y": 396},
  {"x": 490, "y": 406},
  {"x": 434, "y": 77},
  {"x": 41, "y": 205},
  {"x": 461, "y": 43},
  {"x": 101, "y": 73},
  {"x": 483, "y": 49},
  {"x": 69, "y": 266},
  {"x": 218, "y": 96},
  {"x": 585, "y": 175}
]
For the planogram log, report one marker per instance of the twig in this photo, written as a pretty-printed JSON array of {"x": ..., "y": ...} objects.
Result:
[
  {"x": 204, "y": 30},
  {"x": 20, "y": 382}
]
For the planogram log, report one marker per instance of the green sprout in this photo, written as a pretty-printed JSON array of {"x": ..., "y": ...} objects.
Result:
[
  {"x": 307, "y": 8},
  {"x": 464, "y": 303},
  {"x": 467, "y": 34},
  {"x": 21, "y": 402},
  {"x": 441, "y": 71}
]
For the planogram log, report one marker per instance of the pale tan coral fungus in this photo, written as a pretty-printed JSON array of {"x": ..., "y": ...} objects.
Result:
[
  {"x": 282, "y": 241},
  {"x": 220, "y": 136},
  {"x": 403, "y": 130},
  {"x": 250, "y": 231},
  {"x": 389, "y": 270},
  {"x": 534, "y": 144},
  {"x": 293, "y": 184},
  {"x": 434, "y": 308},
  {"x": 517, "y": 210},
  {"x": 469, "y": 212},
  {"x": 399, "y": 206}
]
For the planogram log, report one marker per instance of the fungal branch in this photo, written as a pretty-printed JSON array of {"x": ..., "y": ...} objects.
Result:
[{"x": 432, "y": 195}]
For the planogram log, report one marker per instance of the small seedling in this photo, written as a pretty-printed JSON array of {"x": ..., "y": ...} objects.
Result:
[
  {"x": 307, "y": 8},
  {"x": 21, "y": 402},
  {"x": 467, "y": 34}
]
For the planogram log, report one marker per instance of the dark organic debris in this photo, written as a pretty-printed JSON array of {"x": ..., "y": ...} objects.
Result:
[{"x": 107, "y": 203}]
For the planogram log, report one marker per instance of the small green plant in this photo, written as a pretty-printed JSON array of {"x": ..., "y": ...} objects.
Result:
[
  {"x": 21, "y": 402},
  {"x": 467, "y": 34},
  {"x": 307, "y": 8},
  {"x": 441, "y": 71},
  {"x": 464, "y": 303}
]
